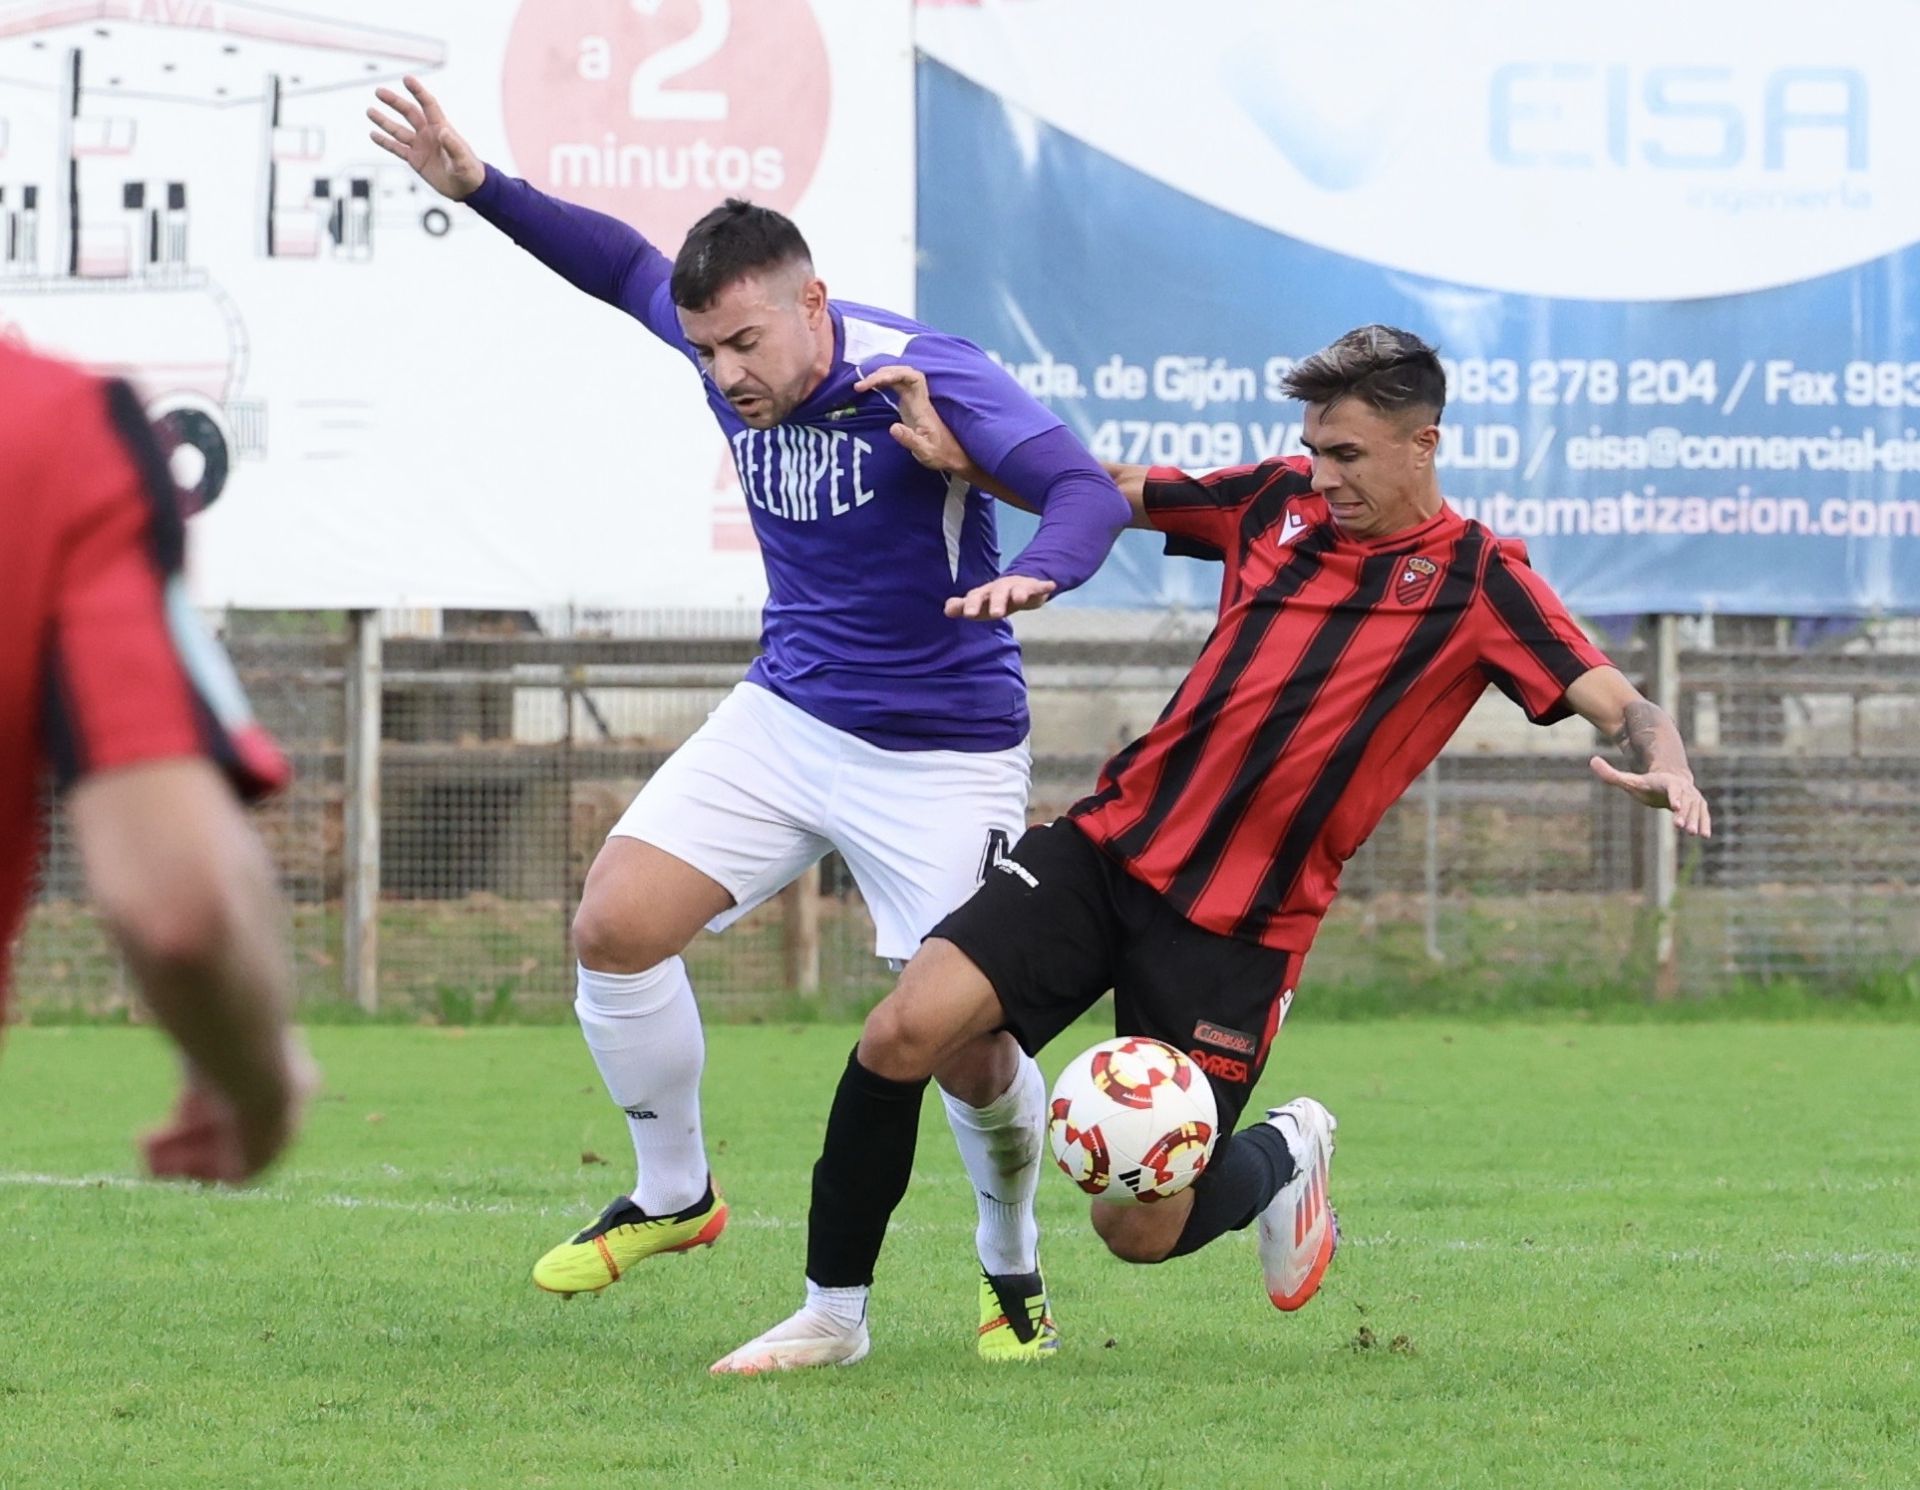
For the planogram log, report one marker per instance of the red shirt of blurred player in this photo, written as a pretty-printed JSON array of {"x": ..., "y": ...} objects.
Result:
[{"x": 103, "y": 662}]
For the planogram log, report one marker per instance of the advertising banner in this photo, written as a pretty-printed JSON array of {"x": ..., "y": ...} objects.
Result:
[
  {"x": 1670, "y": 255},
  {"x": 380, "y": 400}
]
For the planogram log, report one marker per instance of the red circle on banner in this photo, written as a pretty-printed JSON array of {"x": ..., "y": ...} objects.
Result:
[{"x": 656, "y": 110}]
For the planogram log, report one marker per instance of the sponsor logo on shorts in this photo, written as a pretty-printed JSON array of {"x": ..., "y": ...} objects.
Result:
[
  {"x": 1222, "y": 1038},
  {"x": 1019, "y": 871},
  {"x": 1225, "y": 1068}
]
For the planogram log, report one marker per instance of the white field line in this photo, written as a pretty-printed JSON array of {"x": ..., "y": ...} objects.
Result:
[
  {"x": 1641, "y": 1184},
  {"x": 1706, "y": 1256},
  {"x": 224, "y": 1196}
]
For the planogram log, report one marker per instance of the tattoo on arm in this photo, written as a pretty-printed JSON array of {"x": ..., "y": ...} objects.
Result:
[{"x": 1640, "y": 730}]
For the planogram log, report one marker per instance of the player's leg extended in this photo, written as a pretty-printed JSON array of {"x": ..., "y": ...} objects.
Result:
[
  {"x": 637, "y": 1013},
  {"x": 920, "y": 830},
  {"x": 941, "y": 1002},
  {"x": 1273, "y": 1171}
]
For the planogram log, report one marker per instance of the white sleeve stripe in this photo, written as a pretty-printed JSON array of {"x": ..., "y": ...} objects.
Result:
[{"x": 951, "y": 519}]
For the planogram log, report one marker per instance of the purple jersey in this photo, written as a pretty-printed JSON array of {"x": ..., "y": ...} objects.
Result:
[{"x": 862, "y": 544}]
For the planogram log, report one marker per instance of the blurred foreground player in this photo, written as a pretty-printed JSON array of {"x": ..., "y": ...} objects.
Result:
[
  {"x": 1360, "y": 620},
  {"x": 109, "y": 680}
]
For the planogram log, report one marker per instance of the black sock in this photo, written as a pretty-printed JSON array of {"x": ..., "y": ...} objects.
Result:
[
  {"x": 862, "y": 1173},
  {"x": 1247, "y": 1171}
]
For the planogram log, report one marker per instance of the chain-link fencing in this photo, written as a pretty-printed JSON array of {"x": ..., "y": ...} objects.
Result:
[{"x": 510, "y": 744}]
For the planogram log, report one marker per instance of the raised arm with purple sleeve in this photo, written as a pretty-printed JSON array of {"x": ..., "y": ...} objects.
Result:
[{"x": 607, "y": 258}]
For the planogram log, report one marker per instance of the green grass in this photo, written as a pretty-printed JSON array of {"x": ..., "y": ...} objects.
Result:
[{"x": 1576, "y": 1255}]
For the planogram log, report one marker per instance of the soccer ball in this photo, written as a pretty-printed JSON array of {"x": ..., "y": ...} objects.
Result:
[{"x": 1132, "y": 1120}]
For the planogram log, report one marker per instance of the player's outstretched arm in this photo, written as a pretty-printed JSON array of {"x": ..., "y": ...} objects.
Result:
[
  {"x": 601, "y": 255},
  {"x": 1658, "y": 774},
  {"x": 188, "y": 891}
]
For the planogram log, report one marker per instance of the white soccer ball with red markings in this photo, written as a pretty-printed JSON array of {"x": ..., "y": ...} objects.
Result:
[{"x": 1132, "y": 1120}]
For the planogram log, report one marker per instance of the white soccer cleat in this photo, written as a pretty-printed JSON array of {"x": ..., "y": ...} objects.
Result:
[
  {"x": 808, "y": 1338},
  {"x": 1298, "y": 1232}
]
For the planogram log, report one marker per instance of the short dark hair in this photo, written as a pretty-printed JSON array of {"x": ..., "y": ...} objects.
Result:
[
  {"x": 735, "y": 239},
  {"x": 1387, "y": 369}
]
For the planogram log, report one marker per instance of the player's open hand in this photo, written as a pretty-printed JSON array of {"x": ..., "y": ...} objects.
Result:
[
  {"x": 1675, "y": 792},
  {"x": 422, "y": 138},
  {"x": 920, "y": 428},
  {"x": 1000, "y": 598}
]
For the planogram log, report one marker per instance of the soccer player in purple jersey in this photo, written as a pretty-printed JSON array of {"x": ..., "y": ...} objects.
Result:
[{"x": 885, "y": 718}]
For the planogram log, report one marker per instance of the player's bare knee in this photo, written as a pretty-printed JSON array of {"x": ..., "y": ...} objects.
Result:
[
  {"x": 1142, "y": 1250},
  {"x": 609, "y": 943},
  {"x": 1133, "y": 1234},
  {"x": 898, "y": 1042}
]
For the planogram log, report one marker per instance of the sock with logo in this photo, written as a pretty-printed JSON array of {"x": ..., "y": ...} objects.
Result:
[
  {"x": 861, "y": 1175},
  {"x": 1248, "y": 1170},
  {"x": 1000, "y": 1144},
  {"x": 644, "y": 1032}
]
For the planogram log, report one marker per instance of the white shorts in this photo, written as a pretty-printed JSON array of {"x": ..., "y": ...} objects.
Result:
[{"x": 763, "y": 789}]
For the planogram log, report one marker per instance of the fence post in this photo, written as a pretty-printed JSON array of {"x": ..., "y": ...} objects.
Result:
[
  {"x": 361, "y": 960},
  {"x": 800, "y": 930},
  {"x": 1431, "y": 860},
  {"x": 1663, "y": 839}
]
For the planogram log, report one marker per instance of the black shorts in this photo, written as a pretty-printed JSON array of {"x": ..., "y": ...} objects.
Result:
[{"x": 1057, "y": 923}]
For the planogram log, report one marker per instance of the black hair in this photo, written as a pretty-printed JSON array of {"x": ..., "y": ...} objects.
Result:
[
  {"x": 735, "y": 239},
  {"x": 1384, "y": 367}
]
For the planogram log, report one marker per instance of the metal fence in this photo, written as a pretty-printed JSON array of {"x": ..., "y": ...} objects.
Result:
[{"x": 508, "y": 744}]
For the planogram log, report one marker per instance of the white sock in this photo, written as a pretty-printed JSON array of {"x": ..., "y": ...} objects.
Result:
[
  {"x": 1001, "y": 1145},
  {"x": 644, "y": 1032},
  {"x": 846, "y": 1307}
]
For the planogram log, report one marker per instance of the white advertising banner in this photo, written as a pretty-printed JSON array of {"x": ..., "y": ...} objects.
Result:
[{"x": 381, "y": 399}]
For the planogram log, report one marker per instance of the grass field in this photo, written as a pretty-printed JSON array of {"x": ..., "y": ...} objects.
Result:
[{"x": 1660, "y": 1255}]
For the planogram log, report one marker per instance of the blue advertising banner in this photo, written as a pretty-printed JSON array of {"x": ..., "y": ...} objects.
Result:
[{"x": 1676, "y": 296}]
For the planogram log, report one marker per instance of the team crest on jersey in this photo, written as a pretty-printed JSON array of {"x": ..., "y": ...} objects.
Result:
[{"x": 1415, "y": 579}]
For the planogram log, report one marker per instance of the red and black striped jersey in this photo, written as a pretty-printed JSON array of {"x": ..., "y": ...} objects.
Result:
[
  {"x": 103, "y": 661},
  {"x": 1338, "y": 669}
]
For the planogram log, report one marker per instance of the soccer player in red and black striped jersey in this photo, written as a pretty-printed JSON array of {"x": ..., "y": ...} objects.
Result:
[
  {"x": 1360, "y": 619},
  {"x": 108, "y": 680}
]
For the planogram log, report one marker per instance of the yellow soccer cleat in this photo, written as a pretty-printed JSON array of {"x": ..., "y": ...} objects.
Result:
[
  {"x": 624, "y": 1235},
  {"x": 1015, "y": 1324}
]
